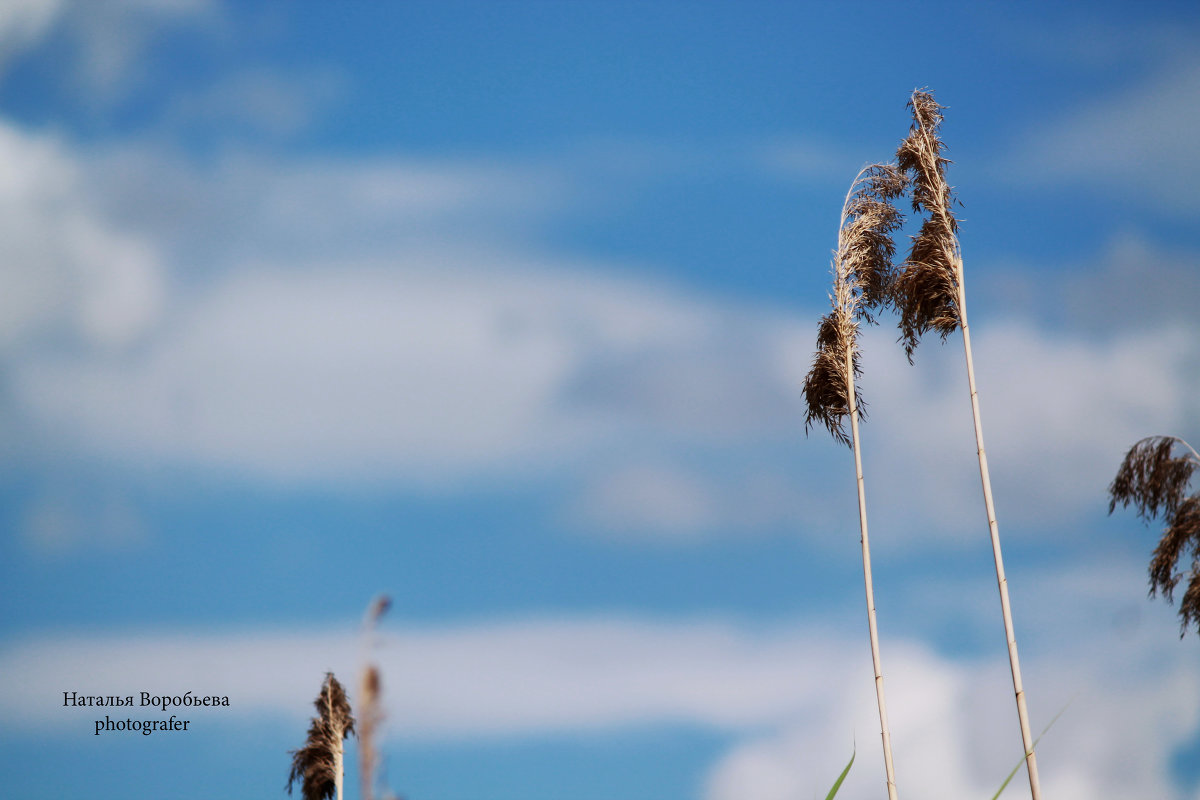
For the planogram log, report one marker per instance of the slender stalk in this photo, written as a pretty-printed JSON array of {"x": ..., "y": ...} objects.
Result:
[
  {"x": 880, "y": 698},
  {"x": 931, "y": 295},
  {"x": 862, "y": 277},
  {"x": 338, "y": 753},
  {"x": 370, "y": 716},
  {"x": 1014, "y": 661}
]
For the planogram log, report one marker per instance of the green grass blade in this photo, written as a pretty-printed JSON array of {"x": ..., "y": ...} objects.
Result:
[
  {"x": 1015, "y": 769},
  {"x": 838, "y": 783}
]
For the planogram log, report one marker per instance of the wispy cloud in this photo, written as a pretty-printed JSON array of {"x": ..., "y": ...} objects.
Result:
[
  {"x": 255, "y": 101},
  {"x": 414, "y": 357},
  {"x": 684, "y": 503},
  {"x": 1127, "y": 282},
  {"x": 809, "y": 158},
  {"x": 1135, "y": 143},
  {"x": 541, "y": 674},
  {"x": 789, "y": 695},
  {"x": 105, "y": 42},
  {"x": 59, "y": 522},
  {"x": 23, "y": 23},
  {"x": 65, "y": 270},
  {"x": 403, "y": 321},
  {"x": 363, "y": 369},
  {"x": 1061, "y": 409}
]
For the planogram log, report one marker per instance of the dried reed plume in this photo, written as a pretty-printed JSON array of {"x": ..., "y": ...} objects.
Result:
[
  {"x": 318, "y": 765},
  {"x": 862, "y": 282},
  {"x": 370, "y": 715},
  {"x": 862, "y": 278},
  {"x": 926, "y": 292},
  {"x": 1154, "y": 482},
  {"x": 930, "y": 295}
]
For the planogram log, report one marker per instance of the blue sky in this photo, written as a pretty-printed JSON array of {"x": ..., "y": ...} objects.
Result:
[{"x": 504, "y": 309}]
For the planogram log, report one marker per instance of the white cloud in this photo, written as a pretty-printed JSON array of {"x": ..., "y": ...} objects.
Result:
[
  {"x": 950, "y": 739},
  {"x": 257, "y": 100},
  {"x": 242, "y": 210},
  {"x": 1058, "y": 413},
  {"x": 1137, "y": 142},
  {"x": 104, "y": 41},
  {"x": 809, "y": 159},
  {"x": 1096, "y": 44},
  {"x": 23, "y": 23},
  {"x": 439, "y": 363},
  {"x": 684, "y": 503},
  {"x": 1132, "y": 282},
  {"x": 62, "y": 521},
  {"x": 795, "y": 697},
  {"x": 540, "y": 675},
  {"x": 443, "y": 365},
  {"x": 63, "y": 267},
  {"x": 108, "y": 40},
  {"x": 389, "y": 320},
  {"x": 666, "y": 501}
]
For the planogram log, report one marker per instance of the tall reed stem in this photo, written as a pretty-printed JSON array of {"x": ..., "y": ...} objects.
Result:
[
  {"x": 1014, "y": 661},
  {"x": 880, "y": 698},
  {"x": 862, "y": 277},
  {"x": 931, "y": 295},
  {"x": 338, "y": 753}
]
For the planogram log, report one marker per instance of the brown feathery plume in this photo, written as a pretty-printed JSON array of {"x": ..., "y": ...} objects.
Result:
[
  {"x": 370, "y": 709},
  {"x": 862, "y": 282},
  {"x": 862, "y": 278},
  {"x": 930, "y": 294},
  {"x": 1154, "y": 481},
  {"x": 318, "y": 765},
  {"x": 926, "y": 290}
]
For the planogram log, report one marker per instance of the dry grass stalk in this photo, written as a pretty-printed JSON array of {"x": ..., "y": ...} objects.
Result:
[
  {"x": 930, "y": 294},
  {"x": 1154, "y": 481},
  {"x": 370, "y": 715},
  {"x": 862, "y": 278},
  {"x": 318, "y": 766}
]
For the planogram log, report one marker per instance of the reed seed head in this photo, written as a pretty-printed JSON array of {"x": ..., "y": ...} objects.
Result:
[
  {"x": 1154, "y": 480},
  {"x": 370, "y": 706},
  {"x": 315, "y": 766},
  {"x": 1151, "y": 478},
  {"x": 926, "y": 290},
  {"x": 863, "y": 274},
  {"x": 826, "y": 389}
]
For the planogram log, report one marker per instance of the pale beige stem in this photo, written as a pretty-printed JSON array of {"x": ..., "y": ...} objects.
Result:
[
  {"x": 1014, "y": 662},
  {"x": 1195, "y": 456},
  {"x": 866, "y": 555},
  {"x": 337, "y": 772},
  {"x": 338, "y": 736}
]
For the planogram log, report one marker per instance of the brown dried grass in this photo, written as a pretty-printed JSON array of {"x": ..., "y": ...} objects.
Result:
[
  {"x": 863, "y": 274},
  {"x": 1154, "y": 479},
  {"x": 318, "y": 764},
  {"x": 370, "y": 707},
  {"x": 925, "y": 291}
]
